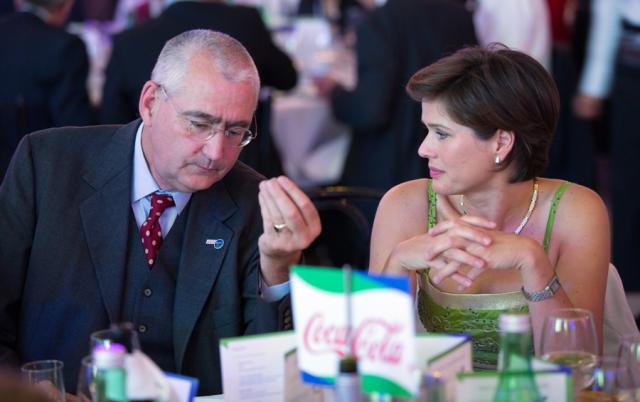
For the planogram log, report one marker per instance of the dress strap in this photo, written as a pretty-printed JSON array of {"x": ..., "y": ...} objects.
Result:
[
  {"x": 552, "y": 214},
  {"x": 431, "y": 217}
]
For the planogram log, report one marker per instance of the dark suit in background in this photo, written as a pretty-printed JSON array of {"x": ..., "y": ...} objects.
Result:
[
  {"x": 70, "y": 253},
  {"x": 43, "y": 78},
  {"x": 135, "y": 52},
  {"x": 393, "y": 42}
]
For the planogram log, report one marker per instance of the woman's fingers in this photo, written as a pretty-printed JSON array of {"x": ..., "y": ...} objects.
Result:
[
  {"x": 464, "y": 257},
  {"x": 466, "y": 231},
  {"x": 479, "y": 221}
]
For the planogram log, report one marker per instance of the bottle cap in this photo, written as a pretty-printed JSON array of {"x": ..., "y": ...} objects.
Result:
[
  {"x": 348, "y": 364},
  {"x": 432, "y": 379},
  {"x": 107, "y": 356},
  {"x": 515, "y": 322}
]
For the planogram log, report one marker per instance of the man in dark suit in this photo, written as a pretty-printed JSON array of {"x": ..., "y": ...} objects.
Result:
[
  {"x": 82, "y": 218},
  {"x": 43, "y": 74},
  {"x": 393, "y": 42}
]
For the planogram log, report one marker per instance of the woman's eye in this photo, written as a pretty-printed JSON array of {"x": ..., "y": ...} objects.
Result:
[{"x": 441, "y": 135}]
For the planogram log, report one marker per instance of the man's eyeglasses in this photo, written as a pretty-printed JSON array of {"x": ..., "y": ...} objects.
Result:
[{"x": 202, "y": 131}]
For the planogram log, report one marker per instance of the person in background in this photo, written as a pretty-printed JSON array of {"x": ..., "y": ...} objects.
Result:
[
  {"x": 393, "y": 41},
  {"x": 155, "y": 222},
  {"x": 572, "y": 155},
  {"x": 612, "y": 69},
  {"x": 6, "y": 7},
  {"x": 486, "y": 234},
  {"x": 522, "y": 25},
  {"x": 43, "y": 74},
  {"x": 135, "y": 51}
]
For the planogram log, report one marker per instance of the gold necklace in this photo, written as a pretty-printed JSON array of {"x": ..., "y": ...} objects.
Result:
[{"x": 525, "y": 219}]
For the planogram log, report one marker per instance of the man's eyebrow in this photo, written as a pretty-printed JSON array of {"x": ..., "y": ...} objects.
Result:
[{"x": 213, "y": 120}]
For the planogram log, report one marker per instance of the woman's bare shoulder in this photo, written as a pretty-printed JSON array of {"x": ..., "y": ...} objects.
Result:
[
  {"x": 410, "y": 194},
  {"x": 580, "y": 210}
]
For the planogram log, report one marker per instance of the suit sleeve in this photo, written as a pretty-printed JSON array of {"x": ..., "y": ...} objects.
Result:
[
  {"x": 115, "y": 105},
  {"x": 274, "y": 66},
  {"x": 260, "y": 315},
  {"x": 69, "y": 102},
  {"x": 17, "y": 223},
  {"x": 368, "y": 106}
]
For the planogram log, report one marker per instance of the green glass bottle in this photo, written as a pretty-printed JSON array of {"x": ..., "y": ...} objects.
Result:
[
  {"x": 110, "y": 380},
  {"x": 516, "y": 382}
]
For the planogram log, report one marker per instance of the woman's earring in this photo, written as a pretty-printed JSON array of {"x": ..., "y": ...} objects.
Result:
[{"x": 497, "y": 159}]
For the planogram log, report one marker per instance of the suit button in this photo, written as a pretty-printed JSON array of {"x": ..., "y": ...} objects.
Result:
[
  {"x": 142, "y": 328},
  {"x": 148, "y": 292}
]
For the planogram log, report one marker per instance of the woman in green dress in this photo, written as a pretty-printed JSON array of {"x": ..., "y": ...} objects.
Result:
[{"x": 486, "y": 234}]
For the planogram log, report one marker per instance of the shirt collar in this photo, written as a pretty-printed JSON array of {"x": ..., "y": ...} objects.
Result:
[{"x": 143, "y": 182}]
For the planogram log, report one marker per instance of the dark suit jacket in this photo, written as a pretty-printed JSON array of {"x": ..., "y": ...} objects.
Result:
[
  {"x": 393, "y": 42},
  {"x": 43, "y": 78},
  {"x": 64, "y": 220},
  {"x": 136, "y": 50}
]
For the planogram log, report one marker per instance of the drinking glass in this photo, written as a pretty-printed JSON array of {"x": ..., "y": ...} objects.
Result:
[
  {"x": 47, "y": 376},
  {"x": 86, "y": 376},
  {"x": 123, "y": 333},
  {"x": 569, "y": 339},
  {"x": 629, "y": 359}
]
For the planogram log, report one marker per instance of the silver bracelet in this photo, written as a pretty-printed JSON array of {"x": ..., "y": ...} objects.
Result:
[{"x": 546, "y": 293}]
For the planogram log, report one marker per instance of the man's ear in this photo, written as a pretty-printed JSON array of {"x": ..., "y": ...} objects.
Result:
[
  {"x": 147, "y": 104},
  {"x": 504, "y": 142}
]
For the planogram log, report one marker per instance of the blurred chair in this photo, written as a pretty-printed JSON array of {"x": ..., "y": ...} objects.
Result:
[
  {"x": 347, "y": 218},
  {"x": 618, "y": 319}
]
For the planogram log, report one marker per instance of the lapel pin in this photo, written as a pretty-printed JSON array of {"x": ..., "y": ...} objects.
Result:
[{"x": 217, "y": 243}]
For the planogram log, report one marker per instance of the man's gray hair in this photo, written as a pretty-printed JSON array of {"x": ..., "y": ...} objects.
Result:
[{"x": 228, "y": 55}]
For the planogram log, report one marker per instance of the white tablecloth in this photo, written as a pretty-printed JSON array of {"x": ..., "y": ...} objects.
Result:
[{"x": 209, "y": 398}]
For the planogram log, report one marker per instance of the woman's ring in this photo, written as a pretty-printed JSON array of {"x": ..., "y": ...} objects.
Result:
[{"x": 279, "y": 226}]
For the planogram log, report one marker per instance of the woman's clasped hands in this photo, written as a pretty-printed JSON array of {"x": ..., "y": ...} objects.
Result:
[{"x": 462, "y": 248}]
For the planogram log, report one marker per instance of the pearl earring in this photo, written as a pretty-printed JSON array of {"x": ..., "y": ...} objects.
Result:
[{"x": 497, "y": 159}]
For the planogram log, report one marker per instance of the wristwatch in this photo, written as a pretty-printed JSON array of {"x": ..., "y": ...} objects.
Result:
[{"x": 544, "y": 294}]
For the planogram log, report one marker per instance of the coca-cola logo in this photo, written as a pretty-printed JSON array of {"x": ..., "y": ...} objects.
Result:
[{"x": 373, "y": 339}]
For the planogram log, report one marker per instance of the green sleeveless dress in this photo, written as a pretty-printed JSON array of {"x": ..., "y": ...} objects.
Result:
[{"x": 473, "y": 314}]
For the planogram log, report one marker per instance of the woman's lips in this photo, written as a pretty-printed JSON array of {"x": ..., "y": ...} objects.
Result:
[{"x": 434, "y": 173}]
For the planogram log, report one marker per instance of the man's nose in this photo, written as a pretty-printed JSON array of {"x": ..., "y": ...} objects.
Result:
[{"x": 214, "y": 148}]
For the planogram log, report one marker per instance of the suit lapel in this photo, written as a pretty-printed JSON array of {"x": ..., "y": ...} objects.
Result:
[
  {"x": 106, "y": 213},
  {"x": 200, "y": 262}
]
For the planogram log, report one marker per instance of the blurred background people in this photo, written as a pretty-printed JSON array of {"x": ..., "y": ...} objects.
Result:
[
  {"x": 612, "y": 69},
  {"x": 391, "y": 44},
  {"x": 135, "y": 51},
  {"x": 43, "y": 74},
  {"x": 572, "y": 155},
  {"x": 522, "y": 25}
]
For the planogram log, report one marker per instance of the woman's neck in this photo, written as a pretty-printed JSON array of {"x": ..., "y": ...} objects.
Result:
[{"x": 504, "y": 203}]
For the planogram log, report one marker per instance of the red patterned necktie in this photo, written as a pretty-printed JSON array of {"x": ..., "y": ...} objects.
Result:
[{"x": 150, "y": 231}]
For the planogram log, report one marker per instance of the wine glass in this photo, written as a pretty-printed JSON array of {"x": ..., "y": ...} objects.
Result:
[
  {"x": 47, "y": 376},
  {"x": 569, "y": 339},
  {"x": 85, "y": 390},
  {"x": 607, "y": 381},
  {"x": 123, "y": 333},
  {"x": 629, "y": 359}
]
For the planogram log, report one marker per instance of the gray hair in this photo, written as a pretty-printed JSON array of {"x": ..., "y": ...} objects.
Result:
[{"x": 228, "y": 55}]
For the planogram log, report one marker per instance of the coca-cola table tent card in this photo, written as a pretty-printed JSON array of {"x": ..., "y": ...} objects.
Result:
[{"x": 382, "y": 329}]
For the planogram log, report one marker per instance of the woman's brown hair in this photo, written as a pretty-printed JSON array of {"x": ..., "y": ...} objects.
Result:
[{"x": 487, "y": 89}]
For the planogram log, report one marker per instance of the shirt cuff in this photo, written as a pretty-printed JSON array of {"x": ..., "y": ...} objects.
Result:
[{"x": 275, "y": 292}]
